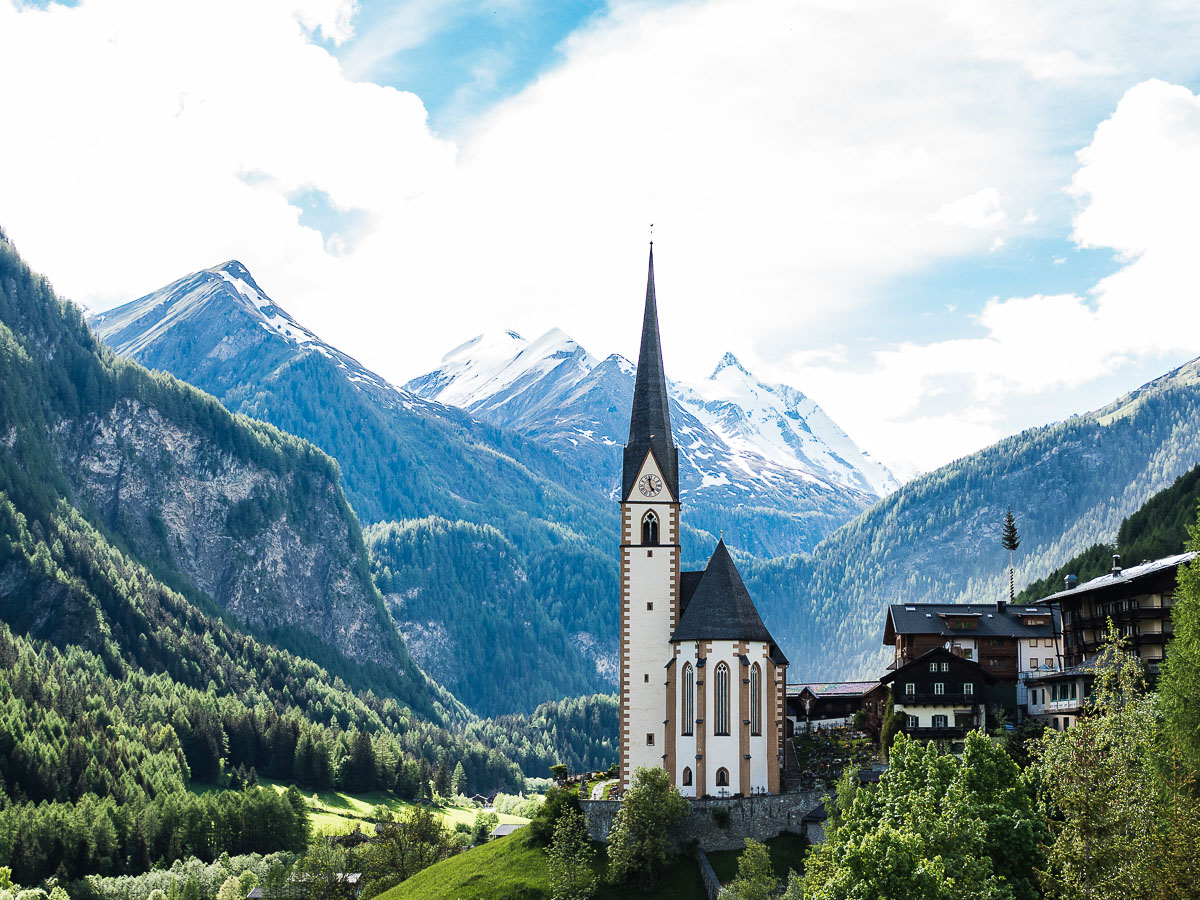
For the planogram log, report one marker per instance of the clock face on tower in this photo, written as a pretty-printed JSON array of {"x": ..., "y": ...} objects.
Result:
[{"x": 650, "y": 485}]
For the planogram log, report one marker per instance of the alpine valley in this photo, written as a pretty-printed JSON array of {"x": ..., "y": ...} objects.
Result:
[
  {"x": 185, "y": 594},
  {"x": 497, "y": 471},
  {"x": 494, "y": 521}
]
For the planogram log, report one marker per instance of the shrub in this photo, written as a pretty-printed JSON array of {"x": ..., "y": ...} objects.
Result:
[{"x": 558, "y": 800}]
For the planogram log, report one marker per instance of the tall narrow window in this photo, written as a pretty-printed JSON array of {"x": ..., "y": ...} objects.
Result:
[
  {"x": 688, "y": 713},
  {"x": 721, "y": 701},
  {"x": 687, "y": 776},
  {"x": 722, "y": 777},
  {"x": 650, "y": 529},
  {"x": 755, "y": 699}
]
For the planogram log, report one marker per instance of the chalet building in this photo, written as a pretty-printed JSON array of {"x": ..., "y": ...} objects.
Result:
[
  {"x": 1057, "y": 697},
  {"x": 702, "y": 680},
  {"x": 1009, "y": 641},
  {"x": 1137, "y": 599},
  {"x": 942, "y": 695},
  {"x": 831, "y": 704}
]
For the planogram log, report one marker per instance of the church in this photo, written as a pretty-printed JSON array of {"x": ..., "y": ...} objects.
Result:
[{"x": 702, "y": 680}]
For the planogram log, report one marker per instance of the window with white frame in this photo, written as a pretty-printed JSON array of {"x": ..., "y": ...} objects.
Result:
[
  {"x": 939, "y": 688},
  {"x": 968, "y": 687}
]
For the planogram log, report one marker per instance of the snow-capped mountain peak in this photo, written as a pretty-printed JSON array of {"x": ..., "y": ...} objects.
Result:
[
  {"x": 728, "y": 361},
  {"x": 735, "y": 433},
  {"x": 500, "y": 363}
]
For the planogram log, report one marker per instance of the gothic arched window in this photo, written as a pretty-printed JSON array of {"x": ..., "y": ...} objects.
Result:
[
  {"x": 755, "y": 699},
  {"x": 688, "y": 713},
  {"x": 722, "y": 778},
  {"x": 687, "y": 776},
  {"x": 721, "y": 701},
  {"x": 650, "y": 529}
]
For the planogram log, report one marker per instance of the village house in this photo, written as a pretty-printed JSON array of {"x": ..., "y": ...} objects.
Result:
[
  {"x": 1009, "y": 641},
  {"x": 941, "y": 695},
  {"x": 831, "y": 704},
  {"x": 1138, "y": 600}
]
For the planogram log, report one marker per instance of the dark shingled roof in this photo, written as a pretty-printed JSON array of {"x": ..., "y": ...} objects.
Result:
[
  {"x": 650, "y": 421},
  {"x": 687, "y": 587},
  {"x": 931, "y": 618},
  {"x": 1124, "y": 576},
  {"x": 938, "y": 653},
  {"x": 720, "y": 607}
]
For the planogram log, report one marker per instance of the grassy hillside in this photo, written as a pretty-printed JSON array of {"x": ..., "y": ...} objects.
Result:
[
  {"x": 338, "y": 812},
  {"x": 512, "y": 867},
  {"x": 124, "y": 679}
]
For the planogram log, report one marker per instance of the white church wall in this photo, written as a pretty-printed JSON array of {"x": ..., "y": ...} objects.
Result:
[
  {"x": 722, "y": 751},
  {"x": 762, "y": 753},
  {"x": 649, "y": 593},
  {"x": 647, "y": 578}
]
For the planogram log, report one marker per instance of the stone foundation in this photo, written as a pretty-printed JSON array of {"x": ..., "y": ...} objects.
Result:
[{"x": 720, "y": 823}]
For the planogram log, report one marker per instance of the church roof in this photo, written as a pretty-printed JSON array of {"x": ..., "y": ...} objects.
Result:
[
  {"x": 650, "y": 421},
  {"x": 687, "y": 587},
  {"x": 720, "y": 607}
]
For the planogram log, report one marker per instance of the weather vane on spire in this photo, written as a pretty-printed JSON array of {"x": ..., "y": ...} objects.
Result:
[{"x": 651, "y": 234}]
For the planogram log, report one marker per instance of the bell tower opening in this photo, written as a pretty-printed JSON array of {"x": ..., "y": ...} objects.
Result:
[{"x": 650, "y": 529}]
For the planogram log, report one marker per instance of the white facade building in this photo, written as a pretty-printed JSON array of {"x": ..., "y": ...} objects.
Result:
[{"x": 702, "y": 681}]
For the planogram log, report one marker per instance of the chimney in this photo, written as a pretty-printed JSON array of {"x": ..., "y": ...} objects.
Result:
[
  {"x": 1116, "y": 564},
  {"x": 1001, "y": 606},
  {"x": 1072, "y": 582}
]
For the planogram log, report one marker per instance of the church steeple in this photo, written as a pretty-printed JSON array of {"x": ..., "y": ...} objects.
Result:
[{"x": 650, "y": 422}]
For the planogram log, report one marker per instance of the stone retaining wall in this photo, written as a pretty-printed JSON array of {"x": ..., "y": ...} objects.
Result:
[
  {"x": 736, "y": 818},
  {"x": 712, "y": 884}
]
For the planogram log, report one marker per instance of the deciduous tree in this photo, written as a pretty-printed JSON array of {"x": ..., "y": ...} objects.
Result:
[
  {"x": 569, "y": 858},
  {"x": 639, "y": 843}
]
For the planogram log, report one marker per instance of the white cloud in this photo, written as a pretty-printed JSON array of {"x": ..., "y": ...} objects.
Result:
[
  {"x": 1140, "y": 183},
  {"x": 796, "y": 157},
  {"x": 981, "y": 209}
]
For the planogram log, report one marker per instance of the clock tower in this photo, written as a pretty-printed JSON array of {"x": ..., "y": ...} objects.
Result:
[{"x": 649, "y": 561}]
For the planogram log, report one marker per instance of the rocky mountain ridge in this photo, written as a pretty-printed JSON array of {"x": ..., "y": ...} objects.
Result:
[
  {"x": 243, "y": 520},
  {"x": 762, "y": 462},
  {"x": 404, "y": 458}
]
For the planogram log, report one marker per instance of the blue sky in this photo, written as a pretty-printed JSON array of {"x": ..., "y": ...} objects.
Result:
[
  {"x": 943, "y": 221},
  {"x": 460, "y": 57}
]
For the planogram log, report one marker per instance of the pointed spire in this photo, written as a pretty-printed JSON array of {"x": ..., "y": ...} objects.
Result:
[{"x": 650, "y": 421}]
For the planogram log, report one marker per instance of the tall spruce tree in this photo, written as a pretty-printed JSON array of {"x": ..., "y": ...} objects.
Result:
[{"x": 1011, "y": 539}]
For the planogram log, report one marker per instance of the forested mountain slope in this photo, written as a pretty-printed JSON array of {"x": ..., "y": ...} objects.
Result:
[
  {"x": 231, "y": 512},
  {"x": 1157, "y": 530},
  {"x": 401, "y": 458},
  {"x": 124, "y": 675},
  {"x": 937, "y": 539}
]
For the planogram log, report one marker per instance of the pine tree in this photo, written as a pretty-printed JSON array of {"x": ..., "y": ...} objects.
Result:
[{"x": 1011, "y": 539}]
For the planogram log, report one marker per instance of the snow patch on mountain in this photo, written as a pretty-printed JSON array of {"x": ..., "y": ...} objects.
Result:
[
  {"x": 783, "y": 426},
  {"x": 731, "y": 429}
]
